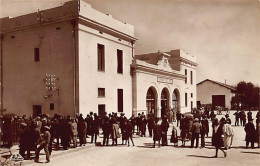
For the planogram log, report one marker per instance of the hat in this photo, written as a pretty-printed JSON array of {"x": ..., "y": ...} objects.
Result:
[
  {"x": 23, "y": 124},
  {"x": 226, "y": 115},
  {"x": 196, "y": 119},
  {"x": 47, "y": 127}
]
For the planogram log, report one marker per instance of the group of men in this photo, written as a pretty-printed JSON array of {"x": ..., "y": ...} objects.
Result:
[{"x": 40, "y": 132}]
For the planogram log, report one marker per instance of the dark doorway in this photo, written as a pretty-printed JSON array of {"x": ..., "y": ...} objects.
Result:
[
  {"x": 164, "y": 103},
  {"x": 37, "y": 110},
  {"x": 218, "y": 100},
  {"x": 101, "y": 109}
]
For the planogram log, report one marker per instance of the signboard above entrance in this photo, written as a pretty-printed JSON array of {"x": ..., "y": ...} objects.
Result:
[{"x": 164, "y": 80}]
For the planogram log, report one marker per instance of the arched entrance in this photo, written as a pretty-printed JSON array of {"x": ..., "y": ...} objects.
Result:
[
  {"x": 151, "y": 101},
  {"x": 176, "y": 100},
  {"x": 164, "y": 102}
]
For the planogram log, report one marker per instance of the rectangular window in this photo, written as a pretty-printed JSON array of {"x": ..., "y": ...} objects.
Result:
[
  {"x": 120, "y": 100},
  {"x": 52, "y": 106},
  {"x": 191, "y": 105},
  {"x": 101, "y": 92},
  {"x": 186, "y": 100},
  {"x": 191, "y": 79},
  {"x": 191, "y": 95},
  {"x": 186, "y": 76},
  {"x": 36, "y": 54},
  {"x": 101, "y": 109},
  {"x": 119, "y": 61},
  {"x": 101, "y": 57}
]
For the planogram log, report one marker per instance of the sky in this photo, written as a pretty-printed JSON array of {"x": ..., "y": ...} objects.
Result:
[{"x": 224, "y": 35}]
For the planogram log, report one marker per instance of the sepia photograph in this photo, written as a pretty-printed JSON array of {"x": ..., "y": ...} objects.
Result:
[{"x": 129, "y": 82}]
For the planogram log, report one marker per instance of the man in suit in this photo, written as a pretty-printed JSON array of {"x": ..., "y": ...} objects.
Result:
[{"x": 195, "y": 130}]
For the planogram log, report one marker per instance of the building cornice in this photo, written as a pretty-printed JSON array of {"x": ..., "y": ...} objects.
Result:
[
  {"x": 103, "y": 28},
  {"x": 42, "y": 23},
  {"x": 152, "y": 70},
  {"x": 188, "y": 61}
]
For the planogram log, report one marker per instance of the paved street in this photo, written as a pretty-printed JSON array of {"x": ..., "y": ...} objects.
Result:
[{"x": 144, "y": 154}]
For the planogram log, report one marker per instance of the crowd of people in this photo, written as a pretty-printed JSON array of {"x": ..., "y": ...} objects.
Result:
[{"x": 48, "y": 133}]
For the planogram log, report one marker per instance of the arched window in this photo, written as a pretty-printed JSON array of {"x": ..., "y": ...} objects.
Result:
[{"x": 150, "y": 101}]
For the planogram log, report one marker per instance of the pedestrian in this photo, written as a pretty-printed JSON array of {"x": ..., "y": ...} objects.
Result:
[
  {"x": 217, "y": 138},
  {"x": 250, "y": 133},
  {"x": 204, "y": 130},
  {"x": 195, "y": 130},
  {"x": 95, "y": 128},
  {"x": 107, "y": 127},
  {"x": 174, "y": 137},
  {"x": 74, "y": 132},
  {"x": 82, "y": 127},
  {"x": 115, "y": 132},
  {"x": 129, "y": 133},
  {"x": 179, "y": 117},
  {"x": 228, "y": 134},
  {"x": 164, "y": 128},
  {"x": 157, "y": 133},
  {"x": 150, "y": 124},
  {"x": 46, "y": 136},
  {"x": 236, "y": 114}
]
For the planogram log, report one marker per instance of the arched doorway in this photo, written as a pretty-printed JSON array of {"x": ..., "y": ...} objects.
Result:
[
  {"x": 151, "y": 101},
  {"x": 164, "y": 102},
  {"x": 175, "y": 100}
]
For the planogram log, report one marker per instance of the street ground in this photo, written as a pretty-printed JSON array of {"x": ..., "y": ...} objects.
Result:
[{"x": 143, "y": 153}]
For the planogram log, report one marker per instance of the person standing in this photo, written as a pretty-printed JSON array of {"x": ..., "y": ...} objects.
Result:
[
  {"x": 82, "y": 127},
  {"x": 236, "y": 114},
  {"x": 195, "y": 130},
  {"x": 156, "y": 133},
  {"x": 164, "y": 128},
  {"x": 174, "y": 137},
  {"x": 258, "y": 127},
  {"x": 46, "y": 136},
  {"x": 250, "y": 133},
  {"x": 151, "y": 124},
  {"x": 204, "y": 130},
  {"x": 129, "y": 132},
  {"x": 228, "y": 134},
  {"x": 178, "y": 116},
  {"x": 95, "y": 128},
  {"x": 114, "y": 132}
]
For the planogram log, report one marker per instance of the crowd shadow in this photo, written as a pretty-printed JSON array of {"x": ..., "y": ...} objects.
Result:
[
  {"x": 200, "y": 156},
  {"x": 250, "y": 152},
  {"x": 148, "y": 145}
]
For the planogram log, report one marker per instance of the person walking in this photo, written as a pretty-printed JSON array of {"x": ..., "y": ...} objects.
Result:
[
  {"x": 217, "y": 138},
  {"x": 46, "y": 136}
]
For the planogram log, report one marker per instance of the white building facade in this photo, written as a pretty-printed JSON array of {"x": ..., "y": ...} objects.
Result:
[
  {"x": 164, "y": 81},
  {"x": 66, "y": 60},
  {"x": 74, "y": 59},
  {"x": 212, "y": 93}
]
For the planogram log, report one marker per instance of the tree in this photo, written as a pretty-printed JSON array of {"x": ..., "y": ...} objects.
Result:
[{"x": 247, "y": 95}]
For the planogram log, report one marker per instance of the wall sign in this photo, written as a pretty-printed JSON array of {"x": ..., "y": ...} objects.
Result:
[{"x": 164, "y": 80}]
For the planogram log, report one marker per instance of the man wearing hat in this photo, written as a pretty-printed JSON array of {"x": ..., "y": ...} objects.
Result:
[
  {"x": 195, "y": 130},
  {"x": 250, "y": 133},
  {"x": 46, "y": 136}
]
